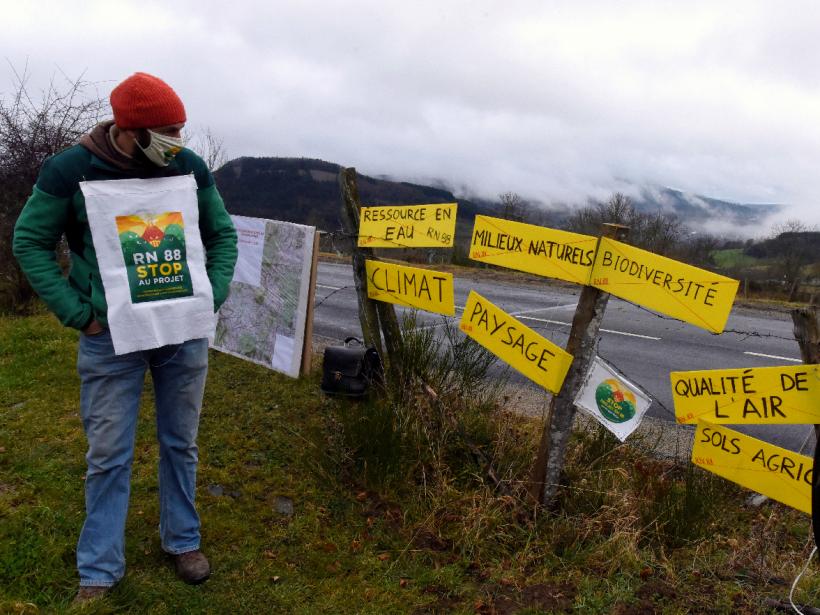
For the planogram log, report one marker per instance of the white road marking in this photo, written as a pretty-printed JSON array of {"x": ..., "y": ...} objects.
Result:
[
  {"x": 544, "y": 309},
  {"x": 567, "y": 324},
  {"x": 552, "y": 322},
  {"x": 773, "y": 356},
  {"x": 643, "y": 337}
]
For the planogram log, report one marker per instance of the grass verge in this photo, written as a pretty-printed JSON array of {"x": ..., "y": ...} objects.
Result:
[{"x": 311, "y": 504}]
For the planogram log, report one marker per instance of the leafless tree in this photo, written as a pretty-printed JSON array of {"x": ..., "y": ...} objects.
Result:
[
  {"x": 793, "y": 238},
  {"x": 210, "y": 147},
  {"x": 512, "y": 206},
  {"x": 658, "y": 232},
  {"x": 34, "y": 126}
]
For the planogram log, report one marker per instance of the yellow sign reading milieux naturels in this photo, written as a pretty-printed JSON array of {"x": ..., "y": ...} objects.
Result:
[
  {"x": 694, "y": 295},
  {"x": 534, "y": 249},
  {"x": 411, "y": 286},
  {"x": 534, "y": 356}
]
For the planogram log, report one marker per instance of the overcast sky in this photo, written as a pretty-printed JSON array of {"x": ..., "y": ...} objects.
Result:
[{"x": 558, "y": 101}]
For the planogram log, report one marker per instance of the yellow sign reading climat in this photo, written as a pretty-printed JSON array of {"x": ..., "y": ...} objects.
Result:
[
  {"x": 694, "y": 295},
  {"x": 760, "y": 395},
  {"x": 781, "y": 474},
  {"x": 534, "y": 356},
  {"x": 534, "y": 249},
  {"x": 417, "y": 288},
  {"x": 408, "y": 226}
]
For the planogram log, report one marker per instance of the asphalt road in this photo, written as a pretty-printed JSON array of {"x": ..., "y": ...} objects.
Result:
[{"x": 643, "y": 345}]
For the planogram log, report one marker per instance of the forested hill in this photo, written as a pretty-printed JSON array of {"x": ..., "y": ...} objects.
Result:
[{"x": 306, "y": 191}]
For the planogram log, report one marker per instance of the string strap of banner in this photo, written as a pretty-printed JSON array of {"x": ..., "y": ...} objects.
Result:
[{"x": 797, "y": 580}]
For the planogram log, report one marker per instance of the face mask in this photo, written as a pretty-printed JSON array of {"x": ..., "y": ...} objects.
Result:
[{"x": 161, "y": 149}]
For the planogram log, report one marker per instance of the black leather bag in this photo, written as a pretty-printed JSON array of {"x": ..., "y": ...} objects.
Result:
[{"x": 350, "y": 371}]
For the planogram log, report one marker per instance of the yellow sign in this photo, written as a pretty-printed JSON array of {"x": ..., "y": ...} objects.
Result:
[
  {"x": 781, "y": 474},
  {"x": 694, "y": 295},
  {"x": 408, "y": 226},
  {"x": 534, "y": 249},
  {"x": 534, "y": 356},
  {"x": 760, "y": 395},
  {"x": 417, "y": 288}
]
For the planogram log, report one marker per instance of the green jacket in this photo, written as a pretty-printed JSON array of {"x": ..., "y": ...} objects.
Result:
[{"x": 57, "y": 206}]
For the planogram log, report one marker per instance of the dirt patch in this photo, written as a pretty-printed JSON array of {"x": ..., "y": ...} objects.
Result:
[
  {"x": 427, "y": 540},
  {"x": 444, "y": 603},
  {"x": 656, "y": 589},
  {"x": 550, "y": 597}
]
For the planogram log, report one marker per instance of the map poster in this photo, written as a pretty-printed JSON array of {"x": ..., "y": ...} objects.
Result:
[
  {"x": 263, "y": 319},
  {"x": 613, "y": 401}
]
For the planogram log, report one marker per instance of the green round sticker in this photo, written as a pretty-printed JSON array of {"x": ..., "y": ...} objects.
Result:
[{"x": 616, "y": 403}]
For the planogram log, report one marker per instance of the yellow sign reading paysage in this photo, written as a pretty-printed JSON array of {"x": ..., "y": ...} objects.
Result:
[
  {"x": 516, "y": 344},
  {"x": 760, "y": 395},
  {"x": 693, "y": 295},
  {"x": 534, "y": 249},
  {"x": 776, "y": 472},
  {"x": 408, "y": 226},
  {"x": 411, "y": 286}
]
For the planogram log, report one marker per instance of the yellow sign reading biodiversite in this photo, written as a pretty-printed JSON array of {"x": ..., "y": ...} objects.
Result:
[
  {"x": 693, "y": 295},
  {"x": 411, "y": 286},
  {"x": 759, "y": 395},
  {"x": 408, "y": 226},
  {"x": 776, "y": 472},
  {"x": 534, "y": 356},
  {"x": 534, "y": 249}
]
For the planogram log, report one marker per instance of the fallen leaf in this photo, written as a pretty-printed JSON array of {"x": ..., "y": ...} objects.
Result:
[
  {"x": 384, "y": 557},
  {"x": 335, "y": 566}
]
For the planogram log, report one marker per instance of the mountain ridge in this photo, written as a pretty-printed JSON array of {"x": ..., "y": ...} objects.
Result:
[{"x": 305, "y": 191}]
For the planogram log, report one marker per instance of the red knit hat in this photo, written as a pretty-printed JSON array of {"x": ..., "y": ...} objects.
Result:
[{"x": 145, "y": 101}]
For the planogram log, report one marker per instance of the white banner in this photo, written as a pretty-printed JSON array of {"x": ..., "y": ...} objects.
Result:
[
  {"x": 151, "y": 260},
  {"x": 612, "y": 400}
]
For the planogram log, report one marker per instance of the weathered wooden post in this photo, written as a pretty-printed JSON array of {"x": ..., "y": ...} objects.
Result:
[
  {"x": 807, "y": 334},
  {"x": 582, "y": 345},
  {"x": 373, "y": 315}
]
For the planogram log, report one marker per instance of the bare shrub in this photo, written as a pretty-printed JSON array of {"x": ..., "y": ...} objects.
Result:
[{"x": 34, "y": 126}]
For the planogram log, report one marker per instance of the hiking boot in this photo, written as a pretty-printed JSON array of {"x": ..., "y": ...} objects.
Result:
[
  {"x": 90, "y": 593},
  {"x": 192, "y": 567}
]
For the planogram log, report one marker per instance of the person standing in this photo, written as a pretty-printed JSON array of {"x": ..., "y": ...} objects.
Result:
[{"x": 152, "y": 255}]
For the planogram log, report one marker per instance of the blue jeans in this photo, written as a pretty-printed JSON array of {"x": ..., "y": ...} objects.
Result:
[{"x": 110, "y": 392}]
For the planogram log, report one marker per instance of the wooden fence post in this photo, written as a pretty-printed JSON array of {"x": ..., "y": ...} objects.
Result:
[
  {"x": 373, "y": 315},
  {"x": 582, "y": 345},
  {"x": 807, "y": 334}
]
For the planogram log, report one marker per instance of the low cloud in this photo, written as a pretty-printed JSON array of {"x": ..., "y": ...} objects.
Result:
[{"x": 558, "y": 101}]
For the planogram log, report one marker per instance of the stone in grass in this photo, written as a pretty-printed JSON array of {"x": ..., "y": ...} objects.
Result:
[
  {"x": 757, "y": 500},
  {"x": 216, "y": 490},
  {"x": 284, "y": 505}
]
